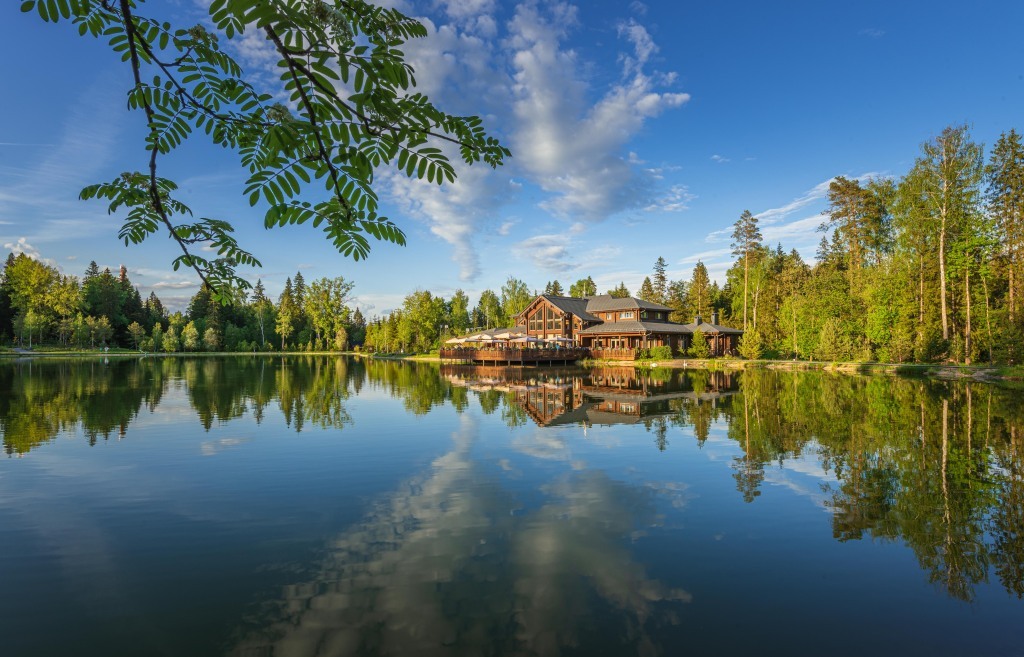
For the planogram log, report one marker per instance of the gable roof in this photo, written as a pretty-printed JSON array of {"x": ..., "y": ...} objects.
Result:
[
  {"x": 709, "y": 328},
  {"x": 606, "y": 302},
  {"x": 637, "y": 327},
  {"x": 574, "y": 305}
]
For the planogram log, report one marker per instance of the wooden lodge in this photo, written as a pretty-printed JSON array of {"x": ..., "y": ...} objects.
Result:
[{"x": 601, "y": 327}]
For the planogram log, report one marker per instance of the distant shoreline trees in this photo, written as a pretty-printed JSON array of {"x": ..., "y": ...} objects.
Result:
[{"x": 924, "y": 268}]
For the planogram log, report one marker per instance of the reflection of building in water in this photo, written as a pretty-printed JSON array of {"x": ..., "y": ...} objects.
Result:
[{"x": 607, "y": 395}]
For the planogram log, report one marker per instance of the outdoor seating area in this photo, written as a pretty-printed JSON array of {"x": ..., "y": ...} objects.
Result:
[{"x": 512, "y": 346}]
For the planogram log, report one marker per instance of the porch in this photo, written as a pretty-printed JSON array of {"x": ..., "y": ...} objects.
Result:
[{"x": 514, "y": 355}]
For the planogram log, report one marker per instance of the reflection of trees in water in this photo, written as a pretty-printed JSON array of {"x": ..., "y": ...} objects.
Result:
[
  {"x": 41, "y": 398},
  {"x": 934, "y": 464},
  {"x": 451, "y": 564}
]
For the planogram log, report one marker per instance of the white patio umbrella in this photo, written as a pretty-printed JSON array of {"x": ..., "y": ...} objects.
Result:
[
  {"x": 454, "y": 341},
  {"x": 507, "y": 335},
  {"x": 526, "y": 339},
  {"x": 559, "y": 339}
]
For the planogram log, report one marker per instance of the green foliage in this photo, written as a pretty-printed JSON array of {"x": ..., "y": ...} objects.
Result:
[
  {"x": 699, "y": 347},
  {"x": 211, "y": 341},
  {"x": 190, "y": 337},
  {"x": 663, "y": 352},
  {"x": 620, "y": 292},
  {"x": 170, "y": 341},
  {"x": 137, "y": 333},
  {"x": 752, "y": 345},
  {"x": 354, "y": 110},
  {"x": 584, "y": 287},
  {"x": 515, "y": 296},
  {"x": 647, "y": 292}
]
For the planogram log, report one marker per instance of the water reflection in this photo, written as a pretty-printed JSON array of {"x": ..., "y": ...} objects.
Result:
[
  {"x": 935, "y": 465},
  {"x": 453, "y": 563}
]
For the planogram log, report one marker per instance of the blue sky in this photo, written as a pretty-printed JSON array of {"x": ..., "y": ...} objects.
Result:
[{"x": 638, "y": 130}]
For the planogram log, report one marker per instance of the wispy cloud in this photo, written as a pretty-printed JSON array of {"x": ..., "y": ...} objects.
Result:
[
  {"x": 872, "y": 32},
  {"x": 719, "y": 159},
  {"x": 548, "y": 252},
  {"x": 676, "y": 199},
  {"x": 173, "y": 285},
  {"x": 574, "y": 150},
  {"x": 42, "y": 195}
]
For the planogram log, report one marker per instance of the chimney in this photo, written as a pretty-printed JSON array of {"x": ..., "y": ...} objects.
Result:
[
  {"x": 698, "y": 320},
  {"x": 714, "y": 318}
]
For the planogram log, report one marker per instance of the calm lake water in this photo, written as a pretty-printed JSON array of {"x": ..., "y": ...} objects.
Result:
[{"x": 303, "y": 506}]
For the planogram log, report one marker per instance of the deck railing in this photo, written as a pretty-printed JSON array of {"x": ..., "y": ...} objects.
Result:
[
  {"x": 614, "y": 354},
  {"x": 513, "y": 354}
]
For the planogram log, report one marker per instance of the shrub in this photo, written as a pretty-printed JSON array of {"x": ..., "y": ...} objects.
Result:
[
  {"x": 663, "y": 352},
  {"x": 751, "y": 345},
  {"x": 699, "y": 348}
]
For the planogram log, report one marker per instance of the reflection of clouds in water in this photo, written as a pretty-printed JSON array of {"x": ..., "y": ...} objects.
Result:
[
  {"x": 445, "y": 566},
  {"x": 542, "y": 444},
  {"x": 212, "y": 447}
]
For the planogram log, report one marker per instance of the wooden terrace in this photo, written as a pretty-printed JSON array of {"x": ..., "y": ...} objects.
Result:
[{"x": 514, "y": 355}]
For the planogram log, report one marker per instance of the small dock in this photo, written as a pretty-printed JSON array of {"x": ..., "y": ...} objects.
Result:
[{"x": 514, "y": 355}]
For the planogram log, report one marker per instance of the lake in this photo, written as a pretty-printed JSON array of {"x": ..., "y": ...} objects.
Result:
[{"x": 299, "y": 505}]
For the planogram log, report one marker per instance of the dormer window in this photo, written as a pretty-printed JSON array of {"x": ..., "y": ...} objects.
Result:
[{"x": 626, "y": 315}]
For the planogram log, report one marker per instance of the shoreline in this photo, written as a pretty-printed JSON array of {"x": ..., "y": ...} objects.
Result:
[{"x": 984, "y": 372}]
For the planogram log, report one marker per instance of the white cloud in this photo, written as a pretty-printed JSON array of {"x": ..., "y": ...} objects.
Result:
[
  {"x": 574, "y": 149},
  {"x": 173, "y": 285},
  {"x": 22, "y": 246},
  {"x": 676, "y": 199},
  {"x": 548, "y": 252},
  {"x": 720, "y": 159}
]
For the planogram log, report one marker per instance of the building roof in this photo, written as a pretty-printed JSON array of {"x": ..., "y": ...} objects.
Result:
[
  {"x": 606, "y": 302},
  {"x": 574, "y": 305},
  {"x": 637, "y": 327},
  {"x": 708, "y": 327}
]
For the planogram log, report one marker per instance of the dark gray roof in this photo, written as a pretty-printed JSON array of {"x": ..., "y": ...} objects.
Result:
[
  {"x": 574, "y": 305},
  {"x": 637, "y": 327},
  {"x": 606, "y": 302},
  {"x": 708, "y": 327}
]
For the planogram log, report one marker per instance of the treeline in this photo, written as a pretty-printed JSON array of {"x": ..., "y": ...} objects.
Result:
[
  {"x": 40, "y": 305},
  {"x": 922, "y": 268},
  {"x": 425, "y": 320}
]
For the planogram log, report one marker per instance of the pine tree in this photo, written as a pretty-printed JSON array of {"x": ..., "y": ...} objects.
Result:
[
  {"x": 620, "y": 292},
  {"x": 299, "y": 291},
  {"x": 553, "y": 288},
  {"x": 1005, "y": 201},
  {"x": 660, "y": 280},
  {"x": 700, "y": 290},
  {"x": 259, "y": 293},
  {"x": 746, "y": 238},
  {"x": 647, "y": 292},
  {"x": 584, "y": 287}
]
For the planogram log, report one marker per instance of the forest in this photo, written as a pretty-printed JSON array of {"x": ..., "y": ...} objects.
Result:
[
  {"x": 921, "y": 268},
  {"x": 41, "y": 306}
]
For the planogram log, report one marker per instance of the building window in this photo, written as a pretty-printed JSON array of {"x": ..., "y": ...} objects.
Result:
[{"x": 626, "y": 315}]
